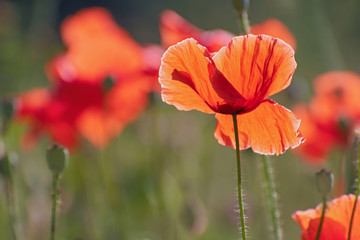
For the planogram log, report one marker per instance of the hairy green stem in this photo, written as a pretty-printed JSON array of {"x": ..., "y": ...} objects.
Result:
[
  {"x": 271, "y": 197},
  {"x": 241, "y": 207},
  {"x": 356, "y": 196},
  {"x": 55, "y": 195},
  {"x": 322, "y": 218}
]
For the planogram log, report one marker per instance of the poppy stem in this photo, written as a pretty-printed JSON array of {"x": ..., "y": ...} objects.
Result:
[
  {"x": 10, "y": 206},
  {"x": 356, "y": 196},
  {"x": 322, "y": 218},
  {"x": 241, "y": 207},
  {"x": 244, "y": 20},
  {"x": 271, "y": 197},
  {"x": 55, "y": 195},
  {"x": 241, "y": 8}
]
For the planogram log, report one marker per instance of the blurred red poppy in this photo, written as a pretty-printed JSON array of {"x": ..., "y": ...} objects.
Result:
[
  {"x": 235, "y": 80},
  {"x": 331, "y": 116},
  {"x": 336, "y": 221},
  {"x": 98, "y": 84}
]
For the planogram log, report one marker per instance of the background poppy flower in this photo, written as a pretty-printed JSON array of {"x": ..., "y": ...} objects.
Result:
[
  {"x": 235, "y": 80},
  {"x": 336, "y": 221},
  {"x": 332, "y": 114},
  {"x": 97, "y": 51}
]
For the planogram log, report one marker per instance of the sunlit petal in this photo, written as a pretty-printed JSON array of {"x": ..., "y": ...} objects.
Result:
[{"x": 269, "y": 129}]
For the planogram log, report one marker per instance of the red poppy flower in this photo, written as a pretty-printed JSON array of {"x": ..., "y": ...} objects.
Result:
[
  {"x": 274, "y": 27},
  {"x": 235, "y": 80},
  {"x": 331, "y": 116},
  {"x": 99, "y": 84},
  {"x": 336, "y": 221}
]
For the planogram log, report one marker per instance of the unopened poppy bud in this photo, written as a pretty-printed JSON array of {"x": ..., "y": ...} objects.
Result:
[
  {"x": 108, "y": 83},
  {"x": 5, "y": 166},
  {"x": 57, "y": 158},
  {"x": 324, "y": 181},
  {"x": 241, "y": 5}
]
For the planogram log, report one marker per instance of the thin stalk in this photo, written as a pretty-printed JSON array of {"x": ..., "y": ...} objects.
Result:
[
  {"x": 241, "y": 8},
  {"x": 55, "y": 195},
  {"x": 356, "y": 196},
  {"x": 270, "y": 197},
  {"x": 10, "y": 206},
  {"x": 321, "y": 219},
  {"x": 241, "y": 208},
  {"x": 244, "y": 21}
]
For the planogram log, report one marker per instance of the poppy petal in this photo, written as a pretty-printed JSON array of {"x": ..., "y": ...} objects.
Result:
[
  {"x": 257, "y": 66},
  {"x": 132, "y": 96},
  {"x": 337, "y": 219},
  {"x": 32, "y": 102},
  {"x": 216, "y": 39},
  {"x": 303, "y": 218},
  {"x": 174, "y": 28},
  {"x": 91, "y": 124},
  {"x": 331, "y": 230},
  {"x": 319, "y": 139},
  {"x": 184, "y": 77},
  {"x": 275, "y": 28},
  {"x": 97, "y": 46},
  {"x": 269, "y": 129}
]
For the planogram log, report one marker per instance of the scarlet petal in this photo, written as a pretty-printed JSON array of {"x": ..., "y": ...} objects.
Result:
[
  {"x": 337, "y": 220},
  {"x": 122, "y": 104},
  {"x": 38, "y": 108},
  {"x": 91, "y": 124},
  {"x": 131, "y": 96},
  {"x": 331, "y": 230},
  {"x": 216, "y": 39},
  {"x": 319, "y": 139},
  {"x": 174, "y": 28},
  {"x": 275, "y": 28},
  {"x": 97, "y": 46},
  {"x": 303, "y": 218},
  {"x": 269, "y": 129},
  {"x": 257, "y": 66},
  {"x": 184, "y": 77},
  {"x": 32, "y": 102}
]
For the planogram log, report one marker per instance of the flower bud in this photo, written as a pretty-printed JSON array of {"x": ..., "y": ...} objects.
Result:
[
  {"x": 324, "y": 181},
  {"x": 57, "y": 158},
  {"x": 241, "y": 5}
]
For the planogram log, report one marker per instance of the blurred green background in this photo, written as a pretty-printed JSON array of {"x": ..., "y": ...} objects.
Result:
[{"x": 165, "y": 177}]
